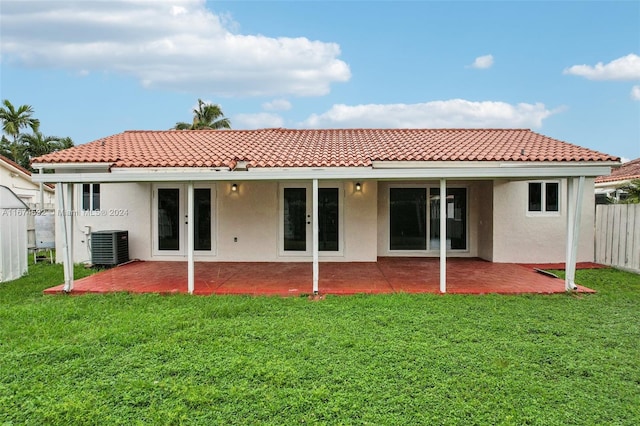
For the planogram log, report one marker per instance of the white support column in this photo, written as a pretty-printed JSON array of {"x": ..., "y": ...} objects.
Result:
[
  {"x": 315, "y": 230},
  {"x": 70, "y": 223},
  {"x": 574, "y": 216},
  {"x": 443, "y": 235},
  {"x": 190, "y": 242},
  {"x": 569, "y": 231},
  {"x": 64, "y": 199}
]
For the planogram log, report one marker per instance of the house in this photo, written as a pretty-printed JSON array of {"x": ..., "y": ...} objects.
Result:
[
  {"x": 345, "y": 195},
  {"x": 18, "y": 179},
  {"x": 608, "y": 187},
  {"x": 37, "y": 196}
]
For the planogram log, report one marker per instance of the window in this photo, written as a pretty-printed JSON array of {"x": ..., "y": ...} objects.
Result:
[
  {"x": 91, "y": 196},
  {"x": 544, "y": 197}
]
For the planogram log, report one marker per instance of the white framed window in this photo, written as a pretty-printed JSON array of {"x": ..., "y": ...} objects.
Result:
[
  {"x": 90, "y": 196},
  {"x": 543, "y": 197}
]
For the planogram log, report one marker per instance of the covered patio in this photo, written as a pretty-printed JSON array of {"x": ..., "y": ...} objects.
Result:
[{"x": 387, "y": 275}]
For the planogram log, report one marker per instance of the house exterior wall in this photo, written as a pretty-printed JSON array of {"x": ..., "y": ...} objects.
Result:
[
  {"x": 124, "y": 206},
  {"x": 23, "y": 187},
  {"x": 519, "y": 236},
  {"x": 247, "y": 227},
  {"x": 251, "y": 216},
  {"x": 246, "y": 222},
  {"x": 484, "y": 194}
]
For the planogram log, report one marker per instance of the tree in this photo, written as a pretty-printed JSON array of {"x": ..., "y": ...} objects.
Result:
[
  {"x": 15, "y": 119},
  {"x": 25, "y": 146},
  {"x": 631, "y": 191},
  {"x": 206, "y": 116},
  {"x": 36, "y": 144}
]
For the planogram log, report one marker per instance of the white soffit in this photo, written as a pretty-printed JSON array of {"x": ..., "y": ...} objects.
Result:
[{"x": 459, "y": 171}]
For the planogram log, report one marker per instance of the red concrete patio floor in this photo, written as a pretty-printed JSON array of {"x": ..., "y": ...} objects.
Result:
[{"x": 388, "y": 275}]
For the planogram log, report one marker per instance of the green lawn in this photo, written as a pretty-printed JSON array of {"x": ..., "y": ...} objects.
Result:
[{"x": 385, "y": 359}]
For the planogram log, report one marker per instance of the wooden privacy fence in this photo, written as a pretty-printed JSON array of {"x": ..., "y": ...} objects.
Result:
[{"x": 618, "y": 235}]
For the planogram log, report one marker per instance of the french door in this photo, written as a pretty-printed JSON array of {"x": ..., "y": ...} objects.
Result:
[
  {"x": 296, "y": 220},
  {"x": 170, "y": 219}
]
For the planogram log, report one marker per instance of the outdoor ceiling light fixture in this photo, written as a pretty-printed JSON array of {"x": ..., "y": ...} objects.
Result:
[
  {"x": 358, "y": 187},
  {"x": 234, "y": 187}
]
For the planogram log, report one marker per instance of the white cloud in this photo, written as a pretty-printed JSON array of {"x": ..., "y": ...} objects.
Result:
[
  {"x": 277, "y": 105},
  {"x": 635, "y": 93},
  {"x": 178, "y": 45},
  {"x": 625, "y": 68},
  {"x": 436, "y": 114},
  {"x": 483, "y": 62},
  {"x": 260, "y": 120}
]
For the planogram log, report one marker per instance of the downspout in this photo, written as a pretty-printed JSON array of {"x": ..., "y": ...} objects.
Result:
[{"x": 41, "y": 187}]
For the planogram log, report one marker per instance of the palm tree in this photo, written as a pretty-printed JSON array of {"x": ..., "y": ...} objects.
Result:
[
  {"x": 36, "y": 144},
  {"x": 206, "y": 116},
  {"x": 15, "y": 119}
]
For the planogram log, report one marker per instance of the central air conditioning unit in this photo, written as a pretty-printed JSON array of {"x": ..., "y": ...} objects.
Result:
[{"x": 109, "y": 247}]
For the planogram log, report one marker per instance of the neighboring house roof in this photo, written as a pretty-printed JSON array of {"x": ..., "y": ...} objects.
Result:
[
  {"x": 17, "y": 168},
  {"x": 320, "y": 148},
  {"x": 626, "y": 172}
]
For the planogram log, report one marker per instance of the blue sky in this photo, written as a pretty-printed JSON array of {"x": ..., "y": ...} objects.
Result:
[{"x": 567, "y": 69}]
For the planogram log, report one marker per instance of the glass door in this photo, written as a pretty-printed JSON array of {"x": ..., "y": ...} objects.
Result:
[
  {"x": 170, "y": 221},
  {"x": 456, "y": 208},
  {"x": 202, "y": 229},
  {"x": 407, "y": 219},
  {"x": 296, "y": 220},
  {"x": 328, "y": 219},
  {"x": 296, "y": 231}
]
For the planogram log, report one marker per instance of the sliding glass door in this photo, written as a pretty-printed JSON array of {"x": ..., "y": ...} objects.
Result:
[{"x": 414, "y": 224}]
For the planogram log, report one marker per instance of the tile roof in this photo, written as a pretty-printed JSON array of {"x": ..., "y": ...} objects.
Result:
[
  {"x": 18, "y": 167},
  {"x": 15, "y": 165},
  {"x": 628, "y": 171},
  {"x": 319, "y": 148}
]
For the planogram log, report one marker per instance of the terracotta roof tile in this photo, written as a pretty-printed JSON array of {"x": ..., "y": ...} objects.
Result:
[
  {"x": 319, "y": 148},
  {"x": 17, "y": 166},
  {"x": 628, "y": 171}
]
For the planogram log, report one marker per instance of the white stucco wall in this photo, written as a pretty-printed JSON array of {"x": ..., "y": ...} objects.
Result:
[
  {"x": 519, "y": 236},
  {"x": 246, "y": 222},
  {"x": 23, "y": 187},
  {"x": 484, "y": 194},
  {"x": 123, "y": 206},
  {"x": 361, "y": 222},
  {"x": 499, "y": 227},
  {"x": 251, "y": 216}
]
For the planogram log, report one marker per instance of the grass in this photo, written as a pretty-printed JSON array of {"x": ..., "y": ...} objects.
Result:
[{"x": 384, "y": 359}]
